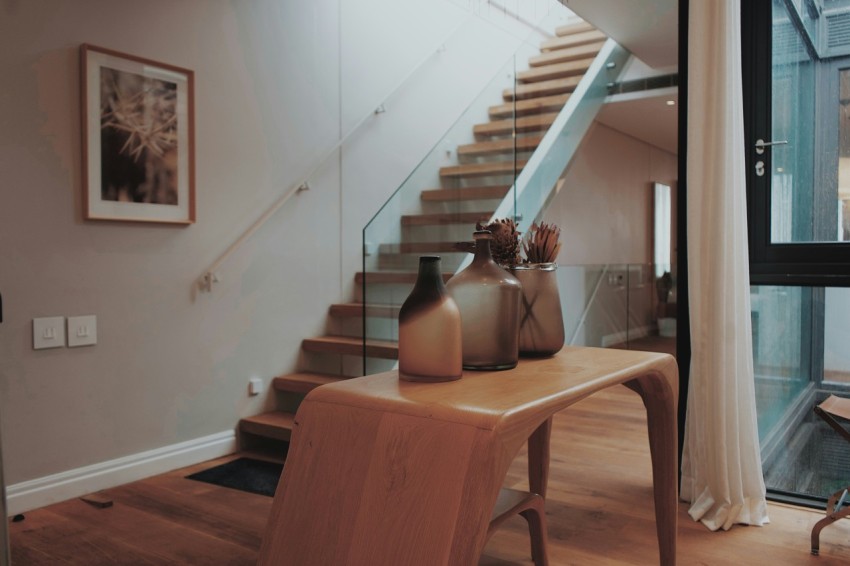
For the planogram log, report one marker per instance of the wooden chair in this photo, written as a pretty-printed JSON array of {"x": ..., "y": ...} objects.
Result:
[{"x": 831, "y": 409}]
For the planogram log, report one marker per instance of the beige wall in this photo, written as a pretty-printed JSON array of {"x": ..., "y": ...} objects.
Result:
[{"x": 604, "y": 208}]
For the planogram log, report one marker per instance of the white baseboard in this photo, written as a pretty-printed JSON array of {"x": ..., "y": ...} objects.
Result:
[
  {"x": 32, "y": 494},
  {"x": 622, "y": 336}
]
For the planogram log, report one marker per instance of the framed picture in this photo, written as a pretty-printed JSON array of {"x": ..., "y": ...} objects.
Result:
[{"x": 138, "y": 138}]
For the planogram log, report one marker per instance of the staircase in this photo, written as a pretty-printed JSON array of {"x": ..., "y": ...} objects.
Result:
[{"x": 469, "y": 192}]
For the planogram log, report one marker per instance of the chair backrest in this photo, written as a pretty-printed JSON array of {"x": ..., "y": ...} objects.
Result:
[{"x": 834, "y": 407}]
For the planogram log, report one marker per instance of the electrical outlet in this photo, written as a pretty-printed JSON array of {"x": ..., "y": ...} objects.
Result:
[
  {"x": 82, "y": 331},
  {"x": 48, "y": 332},
  {"x": 255, "y": 386}
]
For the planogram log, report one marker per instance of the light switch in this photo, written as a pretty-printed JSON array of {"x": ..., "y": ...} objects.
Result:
[
  {"x": 82, "y": 330},
  {"x": 48, "y": 332}
]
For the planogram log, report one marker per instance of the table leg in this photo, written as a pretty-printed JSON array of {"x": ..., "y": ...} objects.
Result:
[
  {"x": 538, "y": 458},
  {"x": 659, "y": 394}
]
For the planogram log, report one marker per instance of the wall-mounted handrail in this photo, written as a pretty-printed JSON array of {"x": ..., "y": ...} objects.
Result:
[{"x": 211, "y": 275}]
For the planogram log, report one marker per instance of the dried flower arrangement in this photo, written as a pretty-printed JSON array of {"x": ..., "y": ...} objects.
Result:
[
  {"x": 505, "y": 246},
  {"x": 541, "y": 245}
]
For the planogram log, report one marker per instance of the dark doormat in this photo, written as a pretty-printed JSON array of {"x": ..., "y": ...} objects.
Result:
[{"x": 246, "y": 474}]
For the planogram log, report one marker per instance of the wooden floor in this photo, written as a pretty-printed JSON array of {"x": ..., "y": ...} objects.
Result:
[{"x": 599, "y": 511}]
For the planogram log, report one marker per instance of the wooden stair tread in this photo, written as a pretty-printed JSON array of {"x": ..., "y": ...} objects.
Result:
[
  {"x": 572, "y": 40},
  {"x": 520, "y": 144},
  {"x": 355, "y": 310},
  {"x": 550, "y": 72},
  {"x": 577, "y": 27},
  {"x": 445, "y": 218},
  {"x": 531, "y": 106},
  {"x": 420, "y": 248},
  {"x": 347, "y": 345},
  {"x": 543, "y": 88},
  {"x": 303, "y": 382},
  {"x": 466, "y": 193},
  {"x": 391, "y": 277},
  {"x": 535, "y": 123},
  {"x": 276, "y": 424},
  {"x": 565, "y": 55},
  {"x": 483, "y": 169}
]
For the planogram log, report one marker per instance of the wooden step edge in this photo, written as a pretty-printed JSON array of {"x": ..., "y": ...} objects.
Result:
[
  {"x": 519, "y": 144},
  {"x": 303, "y": 382},
  {"x": 551, "y": 72},
  {"x": 445, "y": 218},
  {"x": 573, "y": 40},
  {"x": 276, "y": 425},
  {"x": 531, "y": 106},
  {"x": 376, "y": 277},
  {"x": 491, "y": 169},
  {"x": 421, "y": 248},
  {"x": 572, "y": 28},
  {"x": 466, "y": 193},
  {"x": 566, "y": 55},
  {"x": 542, "y": 89},
  {"x": 345, "y": 345},
  {"x": 523, "y": 124},
  {"x": 355, "y": 310}
]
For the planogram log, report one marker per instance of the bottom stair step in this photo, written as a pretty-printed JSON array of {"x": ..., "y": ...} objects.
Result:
[
  {"x": 276, "y": 424},
  {"x": 303, "y": 382}
]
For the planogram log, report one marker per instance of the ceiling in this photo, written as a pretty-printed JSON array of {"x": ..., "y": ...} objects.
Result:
[{"x": 649, "y": 29}]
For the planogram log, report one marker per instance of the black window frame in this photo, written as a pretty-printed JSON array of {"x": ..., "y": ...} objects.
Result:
[{"x": 818, "y": 264}]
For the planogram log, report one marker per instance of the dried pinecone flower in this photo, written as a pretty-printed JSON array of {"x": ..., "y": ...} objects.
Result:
[
  {"x": 541, "y": 245},
  {"x": 505, "y": 244}
]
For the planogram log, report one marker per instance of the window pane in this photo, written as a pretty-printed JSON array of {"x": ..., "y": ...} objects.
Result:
[
  {"x": 801, "y": 356},
  {"x": 809, "y": 99}
]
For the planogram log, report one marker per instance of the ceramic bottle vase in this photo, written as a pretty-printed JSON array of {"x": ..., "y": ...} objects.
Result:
[
  {"x": 541, "y": 327},
  {"x": 429, "y": 329},
  {"x": 489, "y": 301}
]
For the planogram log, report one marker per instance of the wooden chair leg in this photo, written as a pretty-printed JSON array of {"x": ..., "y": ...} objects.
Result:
[{"x": 834, "y": 512}]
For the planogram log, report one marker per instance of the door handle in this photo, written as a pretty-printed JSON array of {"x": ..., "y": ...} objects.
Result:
[{"x": 761, "y": 144}]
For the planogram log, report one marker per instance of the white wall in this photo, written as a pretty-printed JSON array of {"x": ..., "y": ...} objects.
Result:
[{"x": 277, "y": 82}]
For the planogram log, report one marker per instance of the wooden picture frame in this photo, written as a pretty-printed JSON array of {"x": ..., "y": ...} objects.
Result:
[{"x": 138, "y": 138}]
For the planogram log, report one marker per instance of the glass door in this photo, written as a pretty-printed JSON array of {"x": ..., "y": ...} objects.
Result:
[{"x": 797, "y": 98}]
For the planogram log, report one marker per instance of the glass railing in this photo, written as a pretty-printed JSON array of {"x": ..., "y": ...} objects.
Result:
[
  {"x": 480, "y": 169},
  {"x": 618, "y": 306},
  {"x": 538, "y": 182},
  {"x": 461, "y": 181}
]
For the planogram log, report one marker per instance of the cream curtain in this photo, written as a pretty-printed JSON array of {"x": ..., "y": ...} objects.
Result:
[{"x": 721, "y": 465}]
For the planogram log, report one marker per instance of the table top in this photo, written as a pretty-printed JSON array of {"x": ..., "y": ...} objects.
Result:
[{"x": 492, "y": 399}]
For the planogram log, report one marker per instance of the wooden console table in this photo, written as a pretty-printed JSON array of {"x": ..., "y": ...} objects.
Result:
[{"x": 386, "y": 472}]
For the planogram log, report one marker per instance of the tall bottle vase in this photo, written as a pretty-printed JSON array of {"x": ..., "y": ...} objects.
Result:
[
  {"x": 429, "y": 329},
  {"x": 489, "y": 301},
  {"x": 541, "y": 328}
]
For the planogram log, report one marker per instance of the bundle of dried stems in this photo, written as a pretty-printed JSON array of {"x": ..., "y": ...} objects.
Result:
[{"x": 542, "y": 245}]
